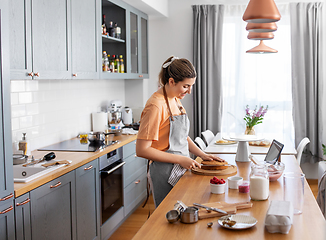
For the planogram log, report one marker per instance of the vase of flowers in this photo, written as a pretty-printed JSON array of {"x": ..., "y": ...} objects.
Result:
[{"x": 253, "y": 118}]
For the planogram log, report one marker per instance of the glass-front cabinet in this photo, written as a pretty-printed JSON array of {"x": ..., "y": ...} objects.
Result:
[{"x": 124, "y": 50}]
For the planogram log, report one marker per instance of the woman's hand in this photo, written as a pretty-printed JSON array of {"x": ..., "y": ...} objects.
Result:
[
  {"x": 188, "y": 163},
  {"x": 211, "y": 157}
]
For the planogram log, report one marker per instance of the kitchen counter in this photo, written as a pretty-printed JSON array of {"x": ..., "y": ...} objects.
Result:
[
  {"x": 78, "y": 159},
  {"x": 193, "y": 188}
]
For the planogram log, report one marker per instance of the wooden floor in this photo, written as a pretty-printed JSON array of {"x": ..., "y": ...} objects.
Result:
[{"x": 130, "y": 227}]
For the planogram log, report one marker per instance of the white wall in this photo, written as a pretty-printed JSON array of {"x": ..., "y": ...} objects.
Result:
[{"x": 50, "y": 111}]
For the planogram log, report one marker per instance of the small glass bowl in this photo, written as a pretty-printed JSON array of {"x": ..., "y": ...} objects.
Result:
[
  {"x": 275, "y": 171},
  {"x": 218, "y": 188}
]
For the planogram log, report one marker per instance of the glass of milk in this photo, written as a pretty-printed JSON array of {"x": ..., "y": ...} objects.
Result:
[{"x": 259, "y": 182}]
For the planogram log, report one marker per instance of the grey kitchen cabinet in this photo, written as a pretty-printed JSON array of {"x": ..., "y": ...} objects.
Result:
[
  {"x": 7, "y": 225},
  {"x": 85, "y": 40},
  {"x": 133, "y": 44},
  {"x": 40, "y": 39},
  {"x": 53, "y": 209},
  {"x": 88, "y": 201},
  {"x": 137, "y": 46},
  {"x": 23, "y": 217},
  {"x": 134, "y": 178}
]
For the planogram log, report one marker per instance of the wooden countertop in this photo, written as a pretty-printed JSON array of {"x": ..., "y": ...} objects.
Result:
[
  {"x": 78, "y": 159},
  {"x": 193, "y": 188}
]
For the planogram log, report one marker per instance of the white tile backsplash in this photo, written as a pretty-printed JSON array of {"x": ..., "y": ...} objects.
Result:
[{"x": 50, "y": 111}]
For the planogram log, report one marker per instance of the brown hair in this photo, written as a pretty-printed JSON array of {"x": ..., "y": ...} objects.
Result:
[{"x": 178, "y": 69}]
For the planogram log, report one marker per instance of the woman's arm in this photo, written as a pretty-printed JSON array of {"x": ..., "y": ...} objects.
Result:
[
  {"x": 144, "y": 149},
  {"x": 199, "y": 153}
]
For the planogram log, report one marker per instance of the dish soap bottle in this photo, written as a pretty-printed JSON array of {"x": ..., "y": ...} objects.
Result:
[{"x": 22, "y": 145}]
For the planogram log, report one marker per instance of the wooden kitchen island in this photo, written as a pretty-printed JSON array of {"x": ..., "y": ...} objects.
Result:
[{"x": 193, "y": 188}]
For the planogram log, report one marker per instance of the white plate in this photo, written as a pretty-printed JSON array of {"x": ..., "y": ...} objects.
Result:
[{"x": 242, "y": 221}]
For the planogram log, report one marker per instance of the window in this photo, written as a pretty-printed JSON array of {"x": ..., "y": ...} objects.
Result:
[{"x": 256, "y": 79}]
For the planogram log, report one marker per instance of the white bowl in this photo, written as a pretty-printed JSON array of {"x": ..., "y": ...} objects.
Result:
[
  {"x": 234, "y": 182},
  {"x": 218, "y": 188}
]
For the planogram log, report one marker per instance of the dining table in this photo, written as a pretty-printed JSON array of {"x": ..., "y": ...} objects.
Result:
[
  {"x": 195, "y": 188},
  {"x": 231, "y": 147}
]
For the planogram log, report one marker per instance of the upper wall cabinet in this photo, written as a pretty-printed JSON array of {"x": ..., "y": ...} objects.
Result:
[
  {"x": 131, "y": 45},
  {"x": 85, "y": 21},
  {"x": 40, "y": 39}
]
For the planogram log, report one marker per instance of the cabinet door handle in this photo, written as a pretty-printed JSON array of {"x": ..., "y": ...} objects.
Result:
[
  {"x": 88, "y": 168},
  {"x": 57, "y": 185},
  {"x": 140, "y": 76},
  {"x": 7, "y": 210},
  {"x": 23, "y": 202},
  {"x": 7, "y": 197},
  {"x": 74, "y": 74},
  {"x": 31, "y": 74},
  {"x": 137, "y": 181},
  {"x": 37, "y": 74}
]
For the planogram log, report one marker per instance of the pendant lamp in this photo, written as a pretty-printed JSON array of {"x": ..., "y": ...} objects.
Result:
[
  {"x": 260, "y": 35},
  {"x": 261, "y": 27},
  {"x": 262, "y": 48},
  {"x": 261, "y": 11}
]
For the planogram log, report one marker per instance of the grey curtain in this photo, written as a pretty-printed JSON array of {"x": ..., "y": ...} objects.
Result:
[
  {"x": 207, "y": 46},
  {"x": 306, "y": 48}
]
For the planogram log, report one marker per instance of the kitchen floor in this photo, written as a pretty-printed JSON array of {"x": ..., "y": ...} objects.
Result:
[{"x": 136, "y": 220}]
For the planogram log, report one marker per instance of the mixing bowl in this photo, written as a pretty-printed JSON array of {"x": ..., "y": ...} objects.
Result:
[{"x": 275, "y": 171}]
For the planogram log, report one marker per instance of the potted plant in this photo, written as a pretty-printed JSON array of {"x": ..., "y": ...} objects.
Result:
[{"x": 254, "y": 117}]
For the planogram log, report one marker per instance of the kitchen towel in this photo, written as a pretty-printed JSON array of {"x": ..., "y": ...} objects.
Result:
[{"x": 99, "y": 121}]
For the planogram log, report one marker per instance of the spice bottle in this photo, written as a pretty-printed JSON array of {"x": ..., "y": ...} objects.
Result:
[
  {"x": 122, "y": 66},
  {"x": 117, "y": 31},
  {"x": 104, "y": 27},
  {"x": 116, "y": 64},
  {"x": 105, "y": 62},
  {"x": 259, "y": 182}
]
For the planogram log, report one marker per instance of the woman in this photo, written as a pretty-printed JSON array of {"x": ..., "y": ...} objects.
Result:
[{"x": 164, "y": 127}]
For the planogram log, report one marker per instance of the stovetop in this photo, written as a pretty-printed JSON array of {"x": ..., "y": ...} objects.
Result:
[{"x": 77, "y": 145}]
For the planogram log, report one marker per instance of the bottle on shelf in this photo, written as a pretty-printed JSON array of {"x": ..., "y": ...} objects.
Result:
[
  {"x": 117, "y": 31},
  {"x": 111, "y": 29},
  {"x": 112, "y": 63},
  {"x": 109, "y": 61},
  {"x": 122, "y": 66},
  {"x": 105, "y": 62},
  {"x": 104, "y": 27},
  {"x": 116, "y": 64}
]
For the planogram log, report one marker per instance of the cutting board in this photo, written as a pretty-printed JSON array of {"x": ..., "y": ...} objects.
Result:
[
  {"x": 230, "y": 208},
  {"x": 228, "y": 171}
]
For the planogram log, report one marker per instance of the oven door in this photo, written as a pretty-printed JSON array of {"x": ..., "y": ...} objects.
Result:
[{"x": 111, "y": 189}]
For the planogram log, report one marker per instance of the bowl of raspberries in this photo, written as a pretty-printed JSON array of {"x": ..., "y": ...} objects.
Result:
[{"x": 217, "y": 185}]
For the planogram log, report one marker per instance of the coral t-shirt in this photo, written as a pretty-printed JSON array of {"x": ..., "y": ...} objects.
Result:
[{"x": 155, "y": 120}]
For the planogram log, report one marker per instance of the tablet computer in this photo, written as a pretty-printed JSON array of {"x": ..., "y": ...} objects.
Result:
[{"x": 274, "y": 152}]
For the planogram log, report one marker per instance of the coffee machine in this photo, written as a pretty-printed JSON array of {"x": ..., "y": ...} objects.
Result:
[{"x": 115, "y": 113}]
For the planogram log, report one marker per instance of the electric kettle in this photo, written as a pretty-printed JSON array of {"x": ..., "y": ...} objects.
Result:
[{"x": 127, "y": 116}]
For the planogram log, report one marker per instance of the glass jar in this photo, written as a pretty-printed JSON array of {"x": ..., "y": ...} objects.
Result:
[{"x": 259, "y": 182}]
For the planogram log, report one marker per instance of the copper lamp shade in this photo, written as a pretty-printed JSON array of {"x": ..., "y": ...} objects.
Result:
[
  {"x": 261, "y": 27},
  {"x": 262, "y": 48},
  {"x": 261, "y": 11},
  {"x": 260, "y": 35}
]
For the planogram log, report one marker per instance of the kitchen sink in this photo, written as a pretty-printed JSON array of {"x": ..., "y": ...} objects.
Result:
[{"x": 29, "y": 173}]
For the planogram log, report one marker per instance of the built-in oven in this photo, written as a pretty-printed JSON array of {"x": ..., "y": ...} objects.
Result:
[{"x": 111, "y": 183}]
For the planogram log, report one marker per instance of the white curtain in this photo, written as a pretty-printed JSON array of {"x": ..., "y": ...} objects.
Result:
[{"x": 256, "y": 79}]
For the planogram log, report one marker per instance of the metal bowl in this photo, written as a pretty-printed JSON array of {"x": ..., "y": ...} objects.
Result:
[
  {"x": 172, "y": 216},
  {"x": 19, "y": 159}
]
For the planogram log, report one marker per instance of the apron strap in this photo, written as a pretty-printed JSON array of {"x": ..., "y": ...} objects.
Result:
[{"x": 167, "y": 102}]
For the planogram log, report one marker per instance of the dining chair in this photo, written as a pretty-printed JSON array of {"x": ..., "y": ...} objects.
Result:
[
  {"x": 300, "y": 148},
  {"x": 208, "y": 136},
  {"x": 200, "y": 143}
]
